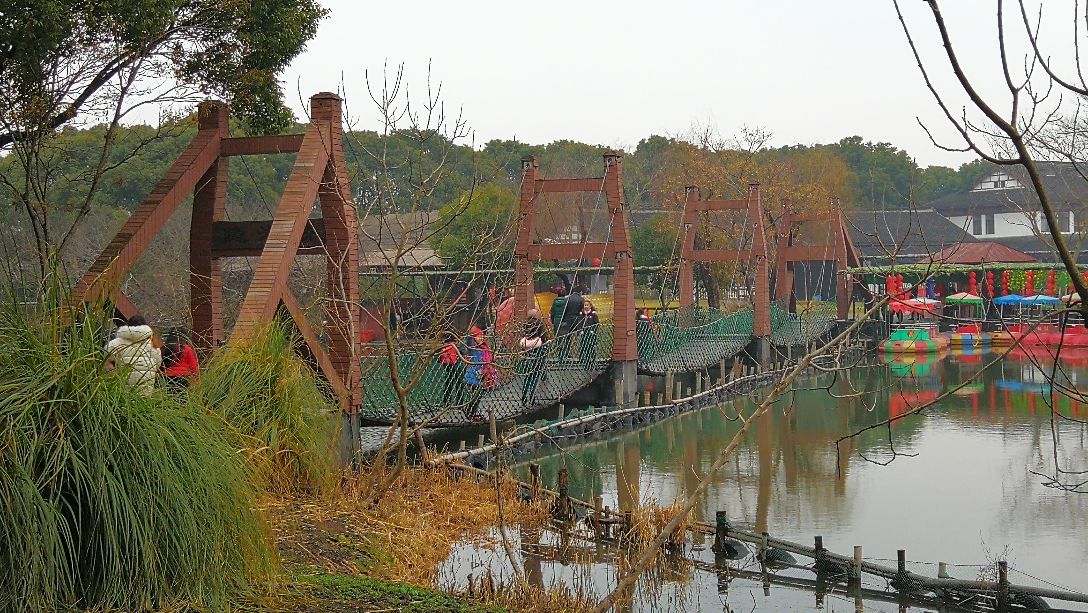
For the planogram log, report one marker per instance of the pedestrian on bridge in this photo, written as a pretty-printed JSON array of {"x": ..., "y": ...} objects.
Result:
[
  {"x": 531, "y": 365},
  {"x": 480, "y": 373},
  {"x": 588, "y": 323},
  {"x": 454, "y": 364}
]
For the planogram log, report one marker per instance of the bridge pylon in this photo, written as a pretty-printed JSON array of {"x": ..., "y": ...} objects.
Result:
[
  {"x": 319, "y": 176},
  {"x": 755, "y": 255},
  {"x": 838, "y": 248},
  {"x": 617, "y": 248}
]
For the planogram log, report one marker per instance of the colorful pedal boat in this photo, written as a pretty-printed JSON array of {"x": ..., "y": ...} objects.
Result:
[
  {"x": 914, "y": 340},
  {"x": 964, "y": 339}
]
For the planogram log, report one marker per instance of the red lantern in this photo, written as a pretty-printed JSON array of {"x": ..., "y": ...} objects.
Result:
[
  {"x": 990, "y": 283},
  {"x": 889, "y": 285},
  {"x": 921, "y": 290},
  {"x": 597, "y": 262},
  {"x": 1005, "y": 283},
  {"x": 972, "y": 283},
  {"x": 1029, "y": 283},
  {"x": 1051, "y": 280}
]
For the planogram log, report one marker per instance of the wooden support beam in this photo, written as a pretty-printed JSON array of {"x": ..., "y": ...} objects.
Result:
[
  {"x": 258, "y": 145},
  {"x": 205, "y": 276},
  {"x": 285, "y": 235},
  {"x": 316, "y": 351},
  {"x": 566, "y": 186},
  {"x": 570, "y": 251},
  {"x": 149, "y": 218}
]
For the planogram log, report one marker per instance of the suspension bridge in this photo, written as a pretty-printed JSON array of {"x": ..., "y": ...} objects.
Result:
[{"x": 616, "y": 349}]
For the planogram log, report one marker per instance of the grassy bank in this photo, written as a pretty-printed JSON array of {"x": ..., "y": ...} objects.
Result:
[
  {"x": 338, "y": 541},
  {"x": 220, "y": 498}
]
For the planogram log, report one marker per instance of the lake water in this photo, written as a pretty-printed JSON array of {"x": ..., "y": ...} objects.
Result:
[{"x": 957, "y": 483}]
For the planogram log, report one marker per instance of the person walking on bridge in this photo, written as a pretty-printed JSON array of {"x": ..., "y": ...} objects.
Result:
[
  {"x": 454, "y": 366},
  {"x": 480, "y": 372},
  {"x": 588, "y": 323},
  {"x": 532, "y": 363}
]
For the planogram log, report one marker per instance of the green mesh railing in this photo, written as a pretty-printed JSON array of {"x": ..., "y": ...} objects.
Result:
[
  {"x": 527, "y": 381},
  {"x": 814, "y": 321},
  {"x": 691, "y": 339}
]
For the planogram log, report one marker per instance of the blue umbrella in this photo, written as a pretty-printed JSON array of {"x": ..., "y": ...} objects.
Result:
[
  {"x": 1010, "y": 299},
  {"x": 1040, "y": 300}
]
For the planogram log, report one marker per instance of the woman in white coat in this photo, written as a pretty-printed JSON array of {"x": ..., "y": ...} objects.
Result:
[{"x": 133, "y": 348}]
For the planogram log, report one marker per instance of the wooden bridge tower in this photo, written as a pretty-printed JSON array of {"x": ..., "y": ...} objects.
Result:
[
  {"x": 838, "y": 248},
  {"x": 755, "y": 255},
  {"x": 616, "y": 248},
  {"x": 318, "y": 177}
]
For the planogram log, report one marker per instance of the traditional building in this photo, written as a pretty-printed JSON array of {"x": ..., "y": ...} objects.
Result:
[
  {"x": 1004, "y": 208},
  {"x": 884, "y": 237}
]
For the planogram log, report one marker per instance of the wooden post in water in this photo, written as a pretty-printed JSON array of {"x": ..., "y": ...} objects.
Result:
[
  {"x": 721, "y": 371},
  {"x": 598, "y": 515},
  {"x": 721, "y": 530},
  {"x": 562, "y": 411},
  {"x": 493, "y": 427},
  {"x": 942, "y": 570},
  {"x": 901, "y": 569},
  {"x": 618, "y": 391},
  {"x": 679, "y": 391},
  {"x": 534, "y": 481},
  {"x": 1002, "y": 586},
  {"x": 461, "y": 446},
  {"x": 562, "y": 504},
  {"x": 698, "y": 382},
  {"x": 480, "y": 441},
  {"x": 763, "y": 564},
  {"x": 660, "y": 398},
  {"x": 668, "y": 386},
  {"x": 646, "y": 398},
  {"x": 857, "y": 565}
]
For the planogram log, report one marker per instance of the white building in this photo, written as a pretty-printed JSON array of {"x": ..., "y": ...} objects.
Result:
[{"x": 1003, "y": 207}]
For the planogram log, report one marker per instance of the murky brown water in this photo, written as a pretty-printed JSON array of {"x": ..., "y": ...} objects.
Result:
[{"x": 956, "y": 484}]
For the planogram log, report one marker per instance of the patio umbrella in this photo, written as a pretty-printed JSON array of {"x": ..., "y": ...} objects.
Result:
[
  {"x": 963, "y": 298},
  {"x": 1039, "y": 300},
  {"x": 1009, "y": 299}
]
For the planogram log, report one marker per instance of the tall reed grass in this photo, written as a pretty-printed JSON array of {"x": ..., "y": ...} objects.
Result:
[
  {"x": 112, "y": 499},
  {"x": 275, "y": 408}
]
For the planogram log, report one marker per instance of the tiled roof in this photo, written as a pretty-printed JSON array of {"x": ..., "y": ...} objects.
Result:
[
  {"x": 881, "y": 236},
  {"x": 982, "y": 252},
  {"x": 1068, "y": 190},
  {"x": 381, "y": 235}
]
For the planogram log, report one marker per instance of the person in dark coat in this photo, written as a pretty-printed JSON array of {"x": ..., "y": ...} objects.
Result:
[
  {"x": 588, "y": 324},
  {"x": 532, "y": 363}
]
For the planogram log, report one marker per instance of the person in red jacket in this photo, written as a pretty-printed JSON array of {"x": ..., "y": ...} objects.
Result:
[{"x": 178, "y": 360}]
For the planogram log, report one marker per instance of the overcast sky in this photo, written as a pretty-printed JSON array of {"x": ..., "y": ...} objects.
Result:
[{"x": 612, "y": 73}]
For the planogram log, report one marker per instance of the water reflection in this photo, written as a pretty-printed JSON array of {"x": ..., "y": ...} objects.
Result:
[{"x": 955, "y": 483}]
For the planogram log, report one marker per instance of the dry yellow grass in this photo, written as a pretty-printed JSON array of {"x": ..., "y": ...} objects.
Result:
[{"x": 410, "y": 533}]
